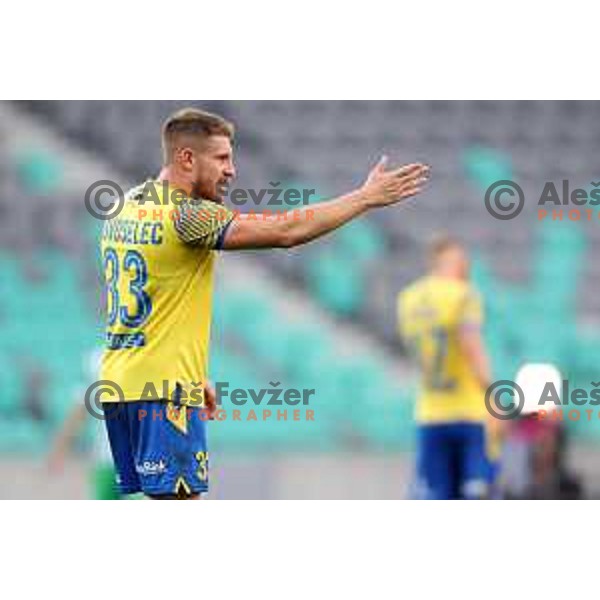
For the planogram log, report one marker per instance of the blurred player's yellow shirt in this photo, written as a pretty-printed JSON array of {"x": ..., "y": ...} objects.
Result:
[
  {"x": 431, "y": 312},
  {"x": 158, "y": 262}
]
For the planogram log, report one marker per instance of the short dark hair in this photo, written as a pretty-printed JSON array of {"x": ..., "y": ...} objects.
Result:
[{"x": 193, "y": 122}]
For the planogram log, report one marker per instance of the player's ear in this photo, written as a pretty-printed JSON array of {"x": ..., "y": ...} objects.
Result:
[{"x": 185, "y": 157}]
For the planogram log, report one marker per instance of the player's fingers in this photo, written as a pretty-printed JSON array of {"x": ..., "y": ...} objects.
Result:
[
  {"x": 410, "y": 182},
  {"x": 412, "y": 170},
  {"x": 406, "y": 169},
  {"x": 408, "y": 188},
  {"x": 421, "y": 180},
  {"x": 411, "y": 191}
]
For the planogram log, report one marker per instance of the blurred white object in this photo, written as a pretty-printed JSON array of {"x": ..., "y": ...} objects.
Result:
[{"x": 532, "y": 378}]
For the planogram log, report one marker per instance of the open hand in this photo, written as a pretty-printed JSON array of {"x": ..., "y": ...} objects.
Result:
[{"x": 384, "y": 187}]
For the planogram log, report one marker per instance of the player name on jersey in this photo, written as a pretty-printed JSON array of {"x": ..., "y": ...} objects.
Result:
[{"x": 125, "y": 231}]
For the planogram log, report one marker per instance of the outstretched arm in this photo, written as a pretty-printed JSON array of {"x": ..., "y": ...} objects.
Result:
[{"x": 382, "y": 188}]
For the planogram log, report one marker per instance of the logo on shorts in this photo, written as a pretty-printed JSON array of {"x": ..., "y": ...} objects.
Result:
[{"x": 151, "y": 467}]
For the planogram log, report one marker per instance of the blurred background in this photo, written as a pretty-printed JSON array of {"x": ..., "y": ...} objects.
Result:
[{"x": 321, "y": 316}]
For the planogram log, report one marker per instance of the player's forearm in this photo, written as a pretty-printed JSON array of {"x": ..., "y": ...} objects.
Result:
[
  {"x": 322, "y": 218},
  {"x": 268, "y": 231},
  {"x": 481, "y": 368},
  {"x": 473, "y": 348}
]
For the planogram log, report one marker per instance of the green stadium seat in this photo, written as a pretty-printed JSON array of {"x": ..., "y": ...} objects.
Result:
[
  {"x": 485, "y": 166},
  {"x": 359, "y": 241},
  {"x": 340, "y": 289}
]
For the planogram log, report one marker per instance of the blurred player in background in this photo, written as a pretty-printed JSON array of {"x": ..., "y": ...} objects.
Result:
[
  {"x": 102, "y": 474},
  {"x": 441, "y": 319},
  {"x": 159, "y": 275}
]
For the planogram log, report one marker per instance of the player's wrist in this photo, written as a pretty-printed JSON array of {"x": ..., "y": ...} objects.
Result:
[{"x": 365, "y": 198}]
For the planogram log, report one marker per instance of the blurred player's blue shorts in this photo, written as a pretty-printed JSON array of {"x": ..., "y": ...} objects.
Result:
[
  {"x": 493, "y": 479},
  {"x": 452, "y": 461},
  {"x": 158, "y": 448}
]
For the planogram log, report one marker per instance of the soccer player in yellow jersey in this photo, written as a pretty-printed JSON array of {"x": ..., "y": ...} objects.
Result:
[
  {"x": 440, "y": 319},
  {"x": 158, "y": 266}
]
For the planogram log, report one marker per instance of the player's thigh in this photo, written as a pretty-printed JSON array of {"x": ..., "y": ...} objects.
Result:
[
  {"x": 473, "y": 463},
  {"x": 171, "y": 454},
  {"x": 435, "y": 469}
]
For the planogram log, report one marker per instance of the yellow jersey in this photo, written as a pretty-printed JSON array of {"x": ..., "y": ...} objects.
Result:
[
  {"x": 158, "y": 261},
  {"x": 431, "y": 312}
]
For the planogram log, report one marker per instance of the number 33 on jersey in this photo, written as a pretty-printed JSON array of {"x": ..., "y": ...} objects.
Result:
[{"x": 158, "y": 271}]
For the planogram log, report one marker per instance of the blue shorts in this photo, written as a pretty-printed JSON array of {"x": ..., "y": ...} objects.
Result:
[
  {"x": 452, "y": 462},
  {"x": 493, "y": 479},
  {"x": 158, "y": 448}
]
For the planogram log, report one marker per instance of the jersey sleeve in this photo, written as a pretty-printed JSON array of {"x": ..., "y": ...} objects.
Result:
[
  {"x": 471, "y": 310},
  {"x": 203, "y": 224}
]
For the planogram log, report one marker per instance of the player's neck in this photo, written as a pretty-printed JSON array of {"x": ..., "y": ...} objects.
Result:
[{"x": 167, "y": 173}]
